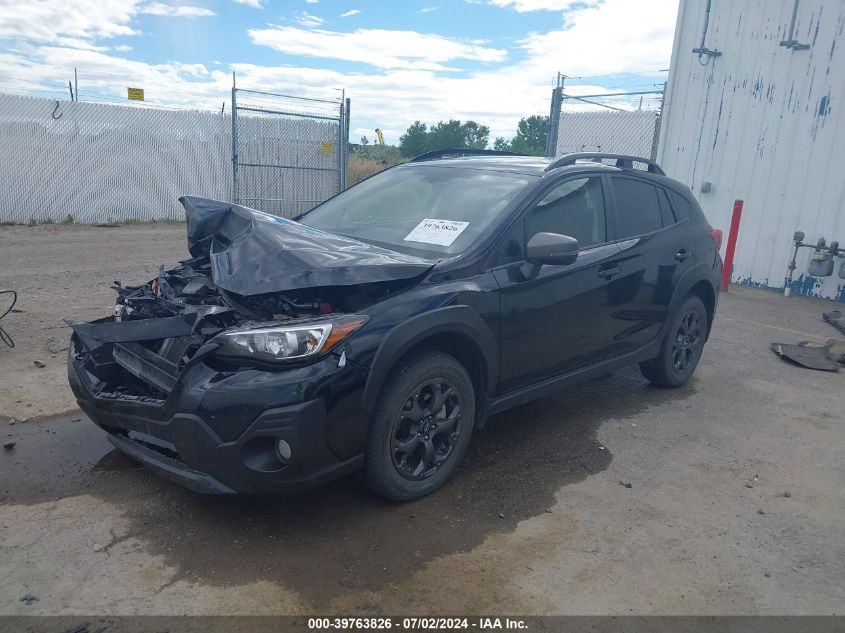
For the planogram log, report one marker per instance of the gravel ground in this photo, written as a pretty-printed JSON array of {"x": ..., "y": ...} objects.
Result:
[
  {"x": 723, "y": 497},
  {"x": 65, "y": 272}
]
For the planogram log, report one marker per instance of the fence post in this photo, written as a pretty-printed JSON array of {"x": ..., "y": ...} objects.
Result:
[
  {"x": 345, "y": 142},
  {"x": 235, "y": 188},
  {"x": 655, "y": 141},
  {"x": 730, "y": 249},
  {"x": 554, "y": 118}
]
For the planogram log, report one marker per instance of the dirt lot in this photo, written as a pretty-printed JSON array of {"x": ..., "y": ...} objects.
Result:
[
  {"x": 735, "y": 506},
  {"x": 66, "y": 272}
]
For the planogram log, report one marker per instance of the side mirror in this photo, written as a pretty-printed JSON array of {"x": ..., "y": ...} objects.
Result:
[{"x": 552, "y": 248}]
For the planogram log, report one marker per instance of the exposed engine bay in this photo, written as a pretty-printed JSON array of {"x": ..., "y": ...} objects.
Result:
[{"x": 241, "y": 277}]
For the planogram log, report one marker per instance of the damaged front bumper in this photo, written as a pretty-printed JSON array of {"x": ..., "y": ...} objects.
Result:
[{"x": 218, "y": 431}]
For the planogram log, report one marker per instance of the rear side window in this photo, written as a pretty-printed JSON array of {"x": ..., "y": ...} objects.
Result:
[
  {"x": 637, "y": 207},
  {"x": 666, "y": 212},
  {"x": 680, "y": 204}
]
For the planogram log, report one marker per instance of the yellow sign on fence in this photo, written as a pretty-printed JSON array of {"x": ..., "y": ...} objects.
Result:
[
  {"x": 328, "y": 148},
  {"x": 135, "y": 94}
]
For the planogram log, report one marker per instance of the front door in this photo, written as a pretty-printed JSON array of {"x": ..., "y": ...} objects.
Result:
[{"x": 557, "y": 318}]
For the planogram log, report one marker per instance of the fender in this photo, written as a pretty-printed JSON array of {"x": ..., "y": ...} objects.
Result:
[
  {"x": 700, "y": 272},
  {"x": 447, "y": 320}
]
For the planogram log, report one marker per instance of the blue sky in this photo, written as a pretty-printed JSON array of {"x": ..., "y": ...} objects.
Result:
[{"x": 490, "y": 60}]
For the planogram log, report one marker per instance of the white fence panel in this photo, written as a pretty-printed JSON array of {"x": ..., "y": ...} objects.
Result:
[
  {"x": 630, "y": 132},
  {"x": 110, "y": 163},
  {"x": 101, "y": 163}
]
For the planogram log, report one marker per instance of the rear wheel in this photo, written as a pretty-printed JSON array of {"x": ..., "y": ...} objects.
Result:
[
  {"x": 682, "y": 347},
  {"x": 420, "y": 428}
]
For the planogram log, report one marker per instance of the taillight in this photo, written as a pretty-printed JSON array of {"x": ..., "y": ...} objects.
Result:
[{"x": 716, "y": 234}]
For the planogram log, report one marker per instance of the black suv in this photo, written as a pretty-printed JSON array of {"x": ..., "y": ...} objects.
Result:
[{"x": 377, "y": 331}]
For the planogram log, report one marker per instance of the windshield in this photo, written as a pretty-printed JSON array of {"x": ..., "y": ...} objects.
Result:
[{"x": 432, "y": 211}]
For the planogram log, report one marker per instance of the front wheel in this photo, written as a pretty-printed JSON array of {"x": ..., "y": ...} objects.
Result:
[
  {"x": 420, "y": 427},
  {"x": 681, "y": 349}
]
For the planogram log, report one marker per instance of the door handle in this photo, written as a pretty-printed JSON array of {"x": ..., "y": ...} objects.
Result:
[
  {"x": 607, "y": 273},
  {"x": 682, "y": 254}
]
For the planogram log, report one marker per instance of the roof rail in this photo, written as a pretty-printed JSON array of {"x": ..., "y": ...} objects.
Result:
[
  {"x": 623, "y": 161},
  {"x": 463, "y": 151}
]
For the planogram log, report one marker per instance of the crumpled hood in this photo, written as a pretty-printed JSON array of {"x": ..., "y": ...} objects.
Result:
[{"x": 254, "y": 253}]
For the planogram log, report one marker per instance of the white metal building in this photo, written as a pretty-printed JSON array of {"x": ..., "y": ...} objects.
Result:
[{"x": 757, "y": 113}]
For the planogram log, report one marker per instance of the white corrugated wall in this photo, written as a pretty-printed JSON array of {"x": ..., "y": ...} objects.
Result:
[{"x": 765, "y": 124}]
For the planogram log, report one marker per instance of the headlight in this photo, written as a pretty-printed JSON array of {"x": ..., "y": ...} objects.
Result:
[{"x": 297, "y": 340}]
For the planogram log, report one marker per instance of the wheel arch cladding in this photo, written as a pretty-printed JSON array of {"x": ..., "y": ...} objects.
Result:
[
  {"x": 696, "y": 281},
  {"x": 703, "y": 289},
  {"x": 456, "y": 330}
]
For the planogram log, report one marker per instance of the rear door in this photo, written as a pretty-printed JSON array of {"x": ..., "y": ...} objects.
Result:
[
  {"x": 655, "y": 250},
  {"x": 556, "y": 318}
]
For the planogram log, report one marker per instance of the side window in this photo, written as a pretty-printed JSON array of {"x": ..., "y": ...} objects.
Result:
[
  {"x": 666, "y": 213},
  {"x": 574, "y": 208},
  {"x": 680, "y": 204},
  {"x": 637, "y": 207}
]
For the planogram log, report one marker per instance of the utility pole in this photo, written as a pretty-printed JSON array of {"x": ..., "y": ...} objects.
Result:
[
  {"x": 554, "y": 116},
  {"x": 235, "y": 187},
  {"x": 70, "y": 87}
]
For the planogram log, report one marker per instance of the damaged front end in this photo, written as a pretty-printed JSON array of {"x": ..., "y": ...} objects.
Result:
[{"x": 235, "y": 349}]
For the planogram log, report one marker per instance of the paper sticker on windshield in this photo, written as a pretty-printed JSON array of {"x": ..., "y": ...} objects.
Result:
[{"x": 439, "y": 232}]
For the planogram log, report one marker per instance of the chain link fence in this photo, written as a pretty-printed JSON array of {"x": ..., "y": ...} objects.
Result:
[
  {"x": 289, "y": 153},
  {"x": 100, "y": 163},
  {"x": 92, "y": 162},
  {"x": 614, "y": 123}
]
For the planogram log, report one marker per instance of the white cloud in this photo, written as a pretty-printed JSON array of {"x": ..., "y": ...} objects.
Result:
[
  {"x": 76, "y": 23},
  {"x": 313, "y": 1},
  {"x": 615, "y": 36},
  {"x": 428, "y": 9},
  {"x": 123, "y": 48},
  {"x": 179, "y": 11},
  {"x": 377, "y": 47},
  {"x": 401, "y": 77},
  {"x": 306, "y": 19},
  {"x": 524, "y": 6},
  {"x": 350, "y": 13},
  {"x": 81, "y": 19},
  {"x": 255, "y": 4}
]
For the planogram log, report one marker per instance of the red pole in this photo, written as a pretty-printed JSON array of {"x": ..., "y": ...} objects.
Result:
[{"x": 730, "y": 249}]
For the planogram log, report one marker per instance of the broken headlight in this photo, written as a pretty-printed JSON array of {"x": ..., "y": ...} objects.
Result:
[{"x": 294, "y": 341}]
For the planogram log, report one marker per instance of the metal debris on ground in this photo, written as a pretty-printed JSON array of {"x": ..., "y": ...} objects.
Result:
[
  {"x": 39, "y": 364},
  {"x": 807, "y": 355},
  {"x": 29, "y": 599},
  {"x": 9, "y": 445},
  {"x": 837, "y": 350},
  {"x": 13, "y": 297},
  {"x": 835, "y": 319}
]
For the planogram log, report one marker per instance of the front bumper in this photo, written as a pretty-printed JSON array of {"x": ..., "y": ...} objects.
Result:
[{"x": 217, "y": 431}]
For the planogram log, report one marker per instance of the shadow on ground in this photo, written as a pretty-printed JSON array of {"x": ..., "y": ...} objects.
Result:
[{"x": 341, "y": 537}]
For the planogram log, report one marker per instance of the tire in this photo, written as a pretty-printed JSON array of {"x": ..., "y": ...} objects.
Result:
[
  {"x": 682, "y": 347},
  {"x": 413, "y": 446}
]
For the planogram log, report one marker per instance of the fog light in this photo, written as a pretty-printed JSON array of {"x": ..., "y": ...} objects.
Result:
[{"x": 283, "y": 450}]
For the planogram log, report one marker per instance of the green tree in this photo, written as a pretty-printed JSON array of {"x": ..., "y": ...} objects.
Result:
[
  {"x": 475, "y": 135},
  {"x": 501, "y": 144},
  {"x": 447, "y": 135},
  {"x": 531, "y": 135},
  {"x": 415, "y": 140}
]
